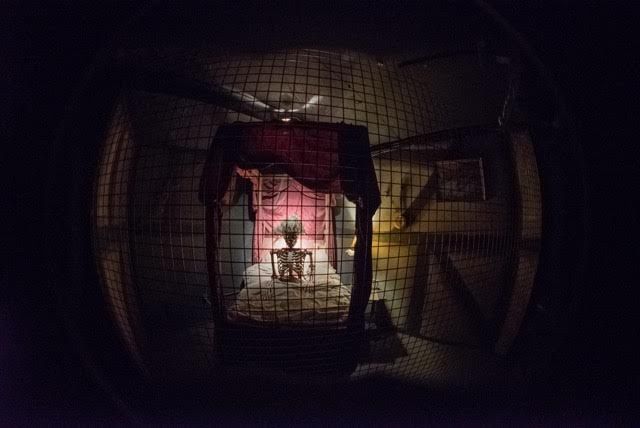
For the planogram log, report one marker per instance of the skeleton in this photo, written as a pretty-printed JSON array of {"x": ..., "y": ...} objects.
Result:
[
  {"x": 291, "y": 264},
  {"x": 291, "y": 260}
]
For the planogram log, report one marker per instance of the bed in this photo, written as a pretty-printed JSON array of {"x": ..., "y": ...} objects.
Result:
[
  {"x": 316, "y": 323},
  {"x": 321, "y": 299}
]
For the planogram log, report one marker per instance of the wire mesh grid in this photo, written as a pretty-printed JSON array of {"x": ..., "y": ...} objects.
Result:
[{"x": 446, "y": 242}]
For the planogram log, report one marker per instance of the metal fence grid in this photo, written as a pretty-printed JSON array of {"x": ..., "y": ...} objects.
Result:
[{"x": 458, "y": 207}]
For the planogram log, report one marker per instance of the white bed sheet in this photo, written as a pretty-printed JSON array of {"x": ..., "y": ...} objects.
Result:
[{"x": 322, "y": 300}]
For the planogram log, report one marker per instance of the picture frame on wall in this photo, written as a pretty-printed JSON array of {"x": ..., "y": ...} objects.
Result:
[{"x": 461, "y": 180}]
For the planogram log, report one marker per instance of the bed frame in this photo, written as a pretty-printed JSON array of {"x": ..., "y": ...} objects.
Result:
[{"x": 327, "y": 158}]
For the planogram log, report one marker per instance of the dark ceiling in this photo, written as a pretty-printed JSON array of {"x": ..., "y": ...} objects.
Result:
[{"x": 380, "y": 26}]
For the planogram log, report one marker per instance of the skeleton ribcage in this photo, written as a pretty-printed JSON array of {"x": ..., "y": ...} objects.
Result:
[{"x": 290, "y": 263}]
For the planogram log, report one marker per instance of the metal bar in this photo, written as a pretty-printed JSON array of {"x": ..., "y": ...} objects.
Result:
[
  {"x": 439, "y": 55},
  {"x": 434, "y": 137}
]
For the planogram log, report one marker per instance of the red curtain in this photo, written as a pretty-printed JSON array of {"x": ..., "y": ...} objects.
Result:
[{"x": 277, "y": 197}]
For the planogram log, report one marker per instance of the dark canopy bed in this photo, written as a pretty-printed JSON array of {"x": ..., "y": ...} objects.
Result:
[{"x": 295, "y": 170}]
